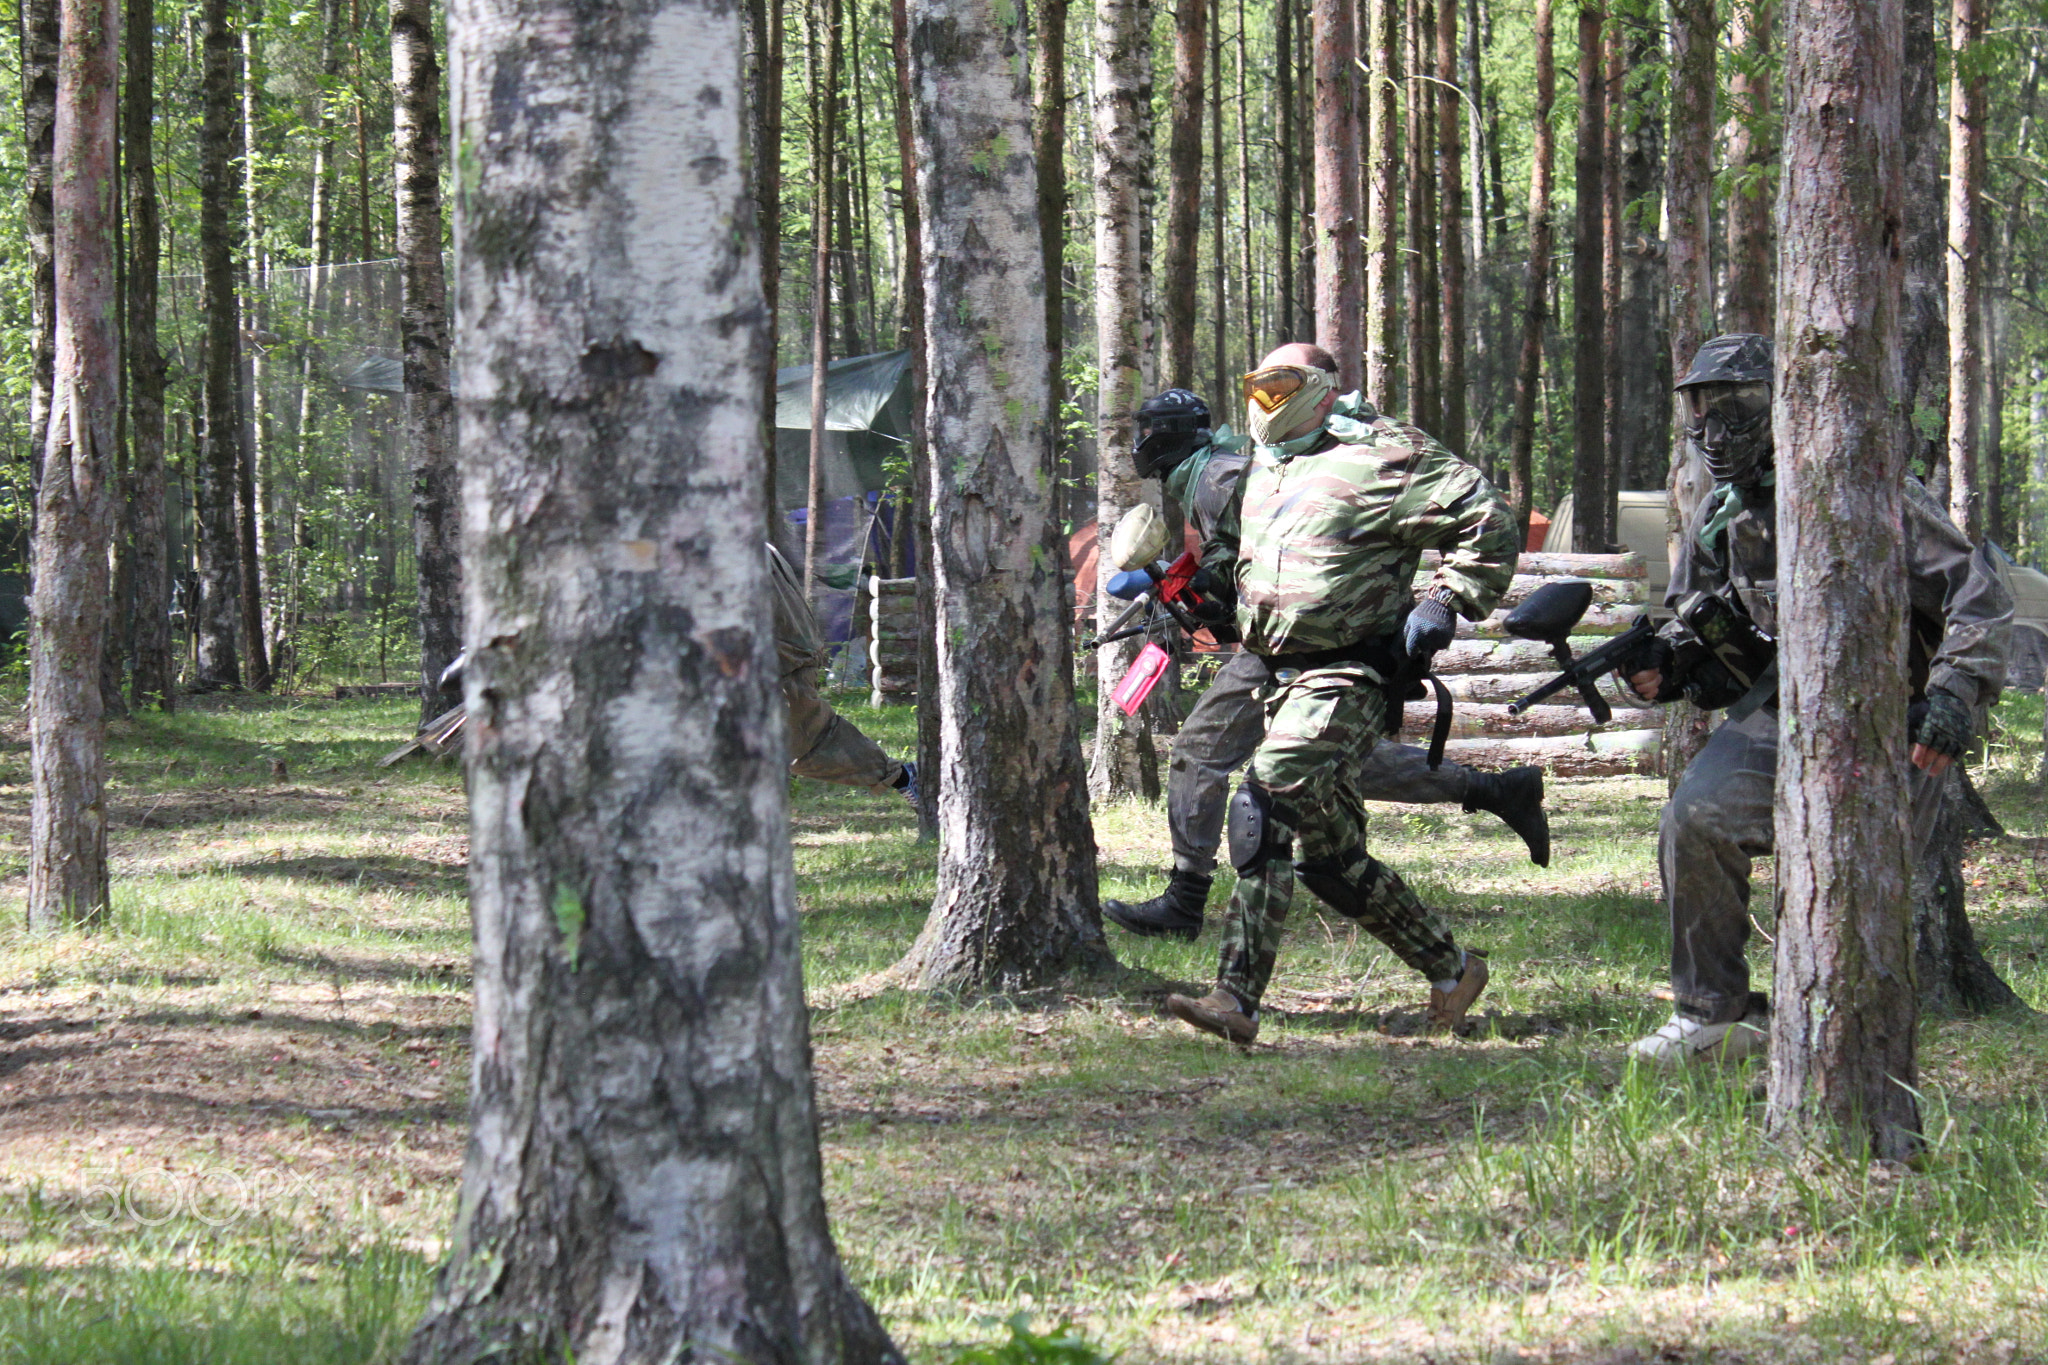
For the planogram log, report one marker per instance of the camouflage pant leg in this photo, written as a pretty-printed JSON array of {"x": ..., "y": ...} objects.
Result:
[
  {"x": 825, "y": 745},
  {"x": 1321, "y": 725},
  {"x": 1219, "y": 734}
]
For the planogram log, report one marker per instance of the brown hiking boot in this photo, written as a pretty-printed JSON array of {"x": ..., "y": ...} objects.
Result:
[
  {"x": 1447, "y": 1008},
  {"x": 1218, "y": 1012}
]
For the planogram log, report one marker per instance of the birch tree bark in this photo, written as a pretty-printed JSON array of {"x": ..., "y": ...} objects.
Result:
[
  {"x": 1383, "y": 204},
  {"x": 1843, "y": 1005},
  {"x": 1536, "y": 292},
  {"x": 423, "y": 327},
  {"x": 1688, "y": 218},
  {"x": 1339, "y": 287},
  {"x": 67, "y": 866},
  {"x": 1016, "y": 876},
  {"x": 1965, "y": 263},
  {"x": 220, "y": 567},
  {"x": 1125, "y": 762},
  {"x": 1115, "y": 85},
  {"x": 153, "y": 678},
  {"x": 643, "y": 1181}
]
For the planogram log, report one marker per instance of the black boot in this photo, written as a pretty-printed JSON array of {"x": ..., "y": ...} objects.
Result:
[
  {"x": 1175, "y": 912},
  {"x": 1516, "y": 796}
]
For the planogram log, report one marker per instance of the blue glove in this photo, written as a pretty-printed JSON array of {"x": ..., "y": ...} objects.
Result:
[
  {"x": 1945, "y": 724},
  {"x": 1430, "y": 627}
]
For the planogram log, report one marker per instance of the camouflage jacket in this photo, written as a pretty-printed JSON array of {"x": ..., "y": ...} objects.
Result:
[
  {"x": 798, "y": 641},
  {"x": 1961, "y": 614},
  {"x": 1331, "y": 539}
]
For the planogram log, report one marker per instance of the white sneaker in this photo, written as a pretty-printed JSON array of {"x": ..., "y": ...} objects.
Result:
[{"x": 1683, "y": 1041}]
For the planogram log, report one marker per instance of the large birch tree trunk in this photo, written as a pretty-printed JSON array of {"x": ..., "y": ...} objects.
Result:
[
  {"x": 153, "y": 678},
  {"x": 1016, "y": 877},
  {"x": 429, "y": 410},
  {"x": 67, "y": 866},
  {"x": 1965, "y": 263},
  {"x": 1125, "y": 762},
  {"x": 1844, "y": 1009},
  {"x": 1536, "y": 292},
  {"x": 1340, "y": 295},
  {"x": 643, "y": 1181},
  {"x": 220, "y": 565}
]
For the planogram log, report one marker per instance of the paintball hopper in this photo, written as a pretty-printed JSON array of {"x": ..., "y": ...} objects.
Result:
[
  {"x": 1550, "y": 612},
  {"x": 1139, "y": 538}
]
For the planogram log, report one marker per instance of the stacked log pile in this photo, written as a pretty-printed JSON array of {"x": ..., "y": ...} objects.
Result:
[
  {"x": 892, "y": 640},
  {"x": 1485, "y": 668}
]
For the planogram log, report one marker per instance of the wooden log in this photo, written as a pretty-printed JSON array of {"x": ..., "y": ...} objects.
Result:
[
  {"x": 1598, "y": 620},
  {"x": 1615, "y": 754},
  {"x": 1506, "y": 687},
  {"x": 1471, "y": 720},
  {"x": 1566, "y": 566},
  {"x": 888, "y": 588},
  {"x": 1606, "y": 591}
]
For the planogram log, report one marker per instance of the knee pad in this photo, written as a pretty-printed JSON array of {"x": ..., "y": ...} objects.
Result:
[
  {"x": 1256, "y": 837},
  {"x": 1325, "y": 877}
]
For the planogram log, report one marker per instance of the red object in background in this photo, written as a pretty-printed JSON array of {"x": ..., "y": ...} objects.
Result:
[{"x": 1539, "y": 530}]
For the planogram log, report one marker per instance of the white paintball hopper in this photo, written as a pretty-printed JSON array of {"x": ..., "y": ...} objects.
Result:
[{"x": 1139, "y": 538}]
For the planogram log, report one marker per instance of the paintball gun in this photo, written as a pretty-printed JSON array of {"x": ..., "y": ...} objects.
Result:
[
  {"x": 1549, "y": 615},
  {"x": 1150, "y": 583}
]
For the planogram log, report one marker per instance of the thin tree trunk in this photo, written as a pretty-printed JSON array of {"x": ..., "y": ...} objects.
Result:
[
  {"x": 67, "y": 878},
  {"x": 1219, "y": 294},
  {"x": 220, "y": 565},
  {"x": 1425, "y": 316},
  {"x": 1610, "y": 258},
  {"x": 824, "y": 141},
  {"x": 1248, "y": 287},
  {"x": 1049, "y": 147},
  {"x": 1339, "y": 267},
  {"x": 1688, "y": 218},
  {"x": 1383, "y": 204},
  {"x": 1450, "y": 114},
  {"x": 764, "y": 103},
  {"x": 1991, "y": 313},
  {"x": 1842, "y": 1027},
  {"x": 429, "y": 409},
  {"x": 1923, "y": 344},
  {"x": 1183, "y": 188},
  {"x": 153, "y": 678},
  {"x": 1536, "y": 291},
  {"x": 928, "y": 727},
  {"x": 643, "y": 1182},
  {"x": 1284, "y": 190},
  {"x": 1642, "y": 398},
  {"x": 252, "y": 425},
  {"x": 1016, "y": 876},
  {"x": 40, "y": 28},
  {"x": 1125, "y": 761},
  {"x": 1965, "y": 265},
  {"x": 1593, "y": 527},
  {"x": 1753, "y": 153}
]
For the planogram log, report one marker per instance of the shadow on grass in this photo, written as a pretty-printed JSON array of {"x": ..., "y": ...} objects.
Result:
[{"x": 377, "y": 869}]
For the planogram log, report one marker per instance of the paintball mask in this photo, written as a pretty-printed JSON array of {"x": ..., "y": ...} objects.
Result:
[
  {"x": 1727, "y": 398},
  {"x": 1171, "y": 427}
]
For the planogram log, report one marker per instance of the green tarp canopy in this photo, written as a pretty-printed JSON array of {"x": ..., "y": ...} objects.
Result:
[{"x": 867, "y": 420}]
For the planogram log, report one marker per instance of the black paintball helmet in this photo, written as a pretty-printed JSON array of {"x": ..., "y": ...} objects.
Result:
[
  {"x": 1728, "y": 406},
  {"x": 1171, "y": 427}
]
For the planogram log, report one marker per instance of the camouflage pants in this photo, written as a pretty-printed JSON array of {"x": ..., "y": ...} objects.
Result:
[
  {"x": 1223, "y": 730},
  {"x": 1319, "y": 726},
  {"x": 825, "y": 745}
]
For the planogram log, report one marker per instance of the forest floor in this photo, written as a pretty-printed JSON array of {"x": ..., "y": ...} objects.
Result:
[{"x": 231, "y": 1125}]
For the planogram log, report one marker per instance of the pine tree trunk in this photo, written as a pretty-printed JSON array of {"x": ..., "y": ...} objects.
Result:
[
  {"x": 153, "y": 678},
  {"x": 928, "y": 727},
  {"x": 1450, "y": 114},
  {"x": 1049, "y": 153},
  {"x": 1536, "y": 291},
  {"x": 1842, "y": 1064},
  {"x": 1610, "y": 256},
  {"x": 1642, "y": 400},
  {"x": 67, "y": 865},
  {"x": 1923, "y": 343},
  {"x": 1219, "y": 292},
  {"x": 1593, "y": 527},
  {"x": 1424, "y": 305},
  {"x": 429, "y": 409},
  {"x": 1965, "y": 264},
  {"x": 1339, "y": 283},
  {"x": 1753, "y": 153},
  {"x": 40, "y": 26},
  {"x": 1183, "y": 182},
  {"x": 824, "y": 142},
  {"x": 1688, "y": 216},
  {"x": 251, "y": 477},
  {"x": 1284, "y": 188},
  {"x": 764, "y": 105},
  {"x": 643, "y": 1182},
  {"x": 1383, "y": 204},
  {"x": 1126, "y": 761},
  {"x": 220, "y": 564},
  {"x": 1016, "y": 877}
]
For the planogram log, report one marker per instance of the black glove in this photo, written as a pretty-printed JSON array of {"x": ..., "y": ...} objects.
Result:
[
  {"x": 1430, "y": 627},
  {"x": 1943, "y": 723}
]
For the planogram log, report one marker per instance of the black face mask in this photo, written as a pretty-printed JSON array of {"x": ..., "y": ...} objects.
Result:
[{"x": 1734, "y": 438}]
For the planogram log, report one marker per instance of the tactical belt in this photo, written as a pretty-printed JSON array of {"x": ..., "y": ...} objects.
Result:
[{"x": 1384, "y": 655}]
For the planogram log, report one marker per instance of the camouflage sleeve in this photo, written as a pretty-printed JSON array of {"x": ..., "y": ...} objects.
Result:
[
  {"x": 1475, "y": 528},
  {"x": 1695, "y": 568},
  {"x": 1965, "y": 589},
  {"x": 1218, "y": 529}
]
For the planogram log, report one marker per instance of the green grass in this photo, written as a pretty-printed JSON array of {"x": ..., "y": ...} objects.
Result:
[{"x": 281, "y": 951}]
